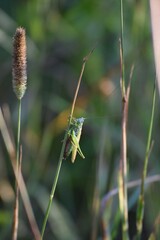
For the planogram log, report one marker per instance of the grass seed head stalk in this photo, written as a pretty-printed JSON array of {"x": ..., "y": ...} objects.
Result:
[
  {"x": 19, "y": 74},
  {"x": 19, "y": 81}
]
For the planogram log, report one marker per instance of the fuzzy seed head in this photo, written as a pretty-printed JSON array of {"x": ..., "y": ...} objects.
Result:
[{"x": 19, "y": 71}]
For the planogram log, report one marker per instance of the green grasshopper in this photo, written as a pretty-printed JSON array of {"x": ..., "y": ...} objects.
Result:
[{"x": 74, "y": 135}]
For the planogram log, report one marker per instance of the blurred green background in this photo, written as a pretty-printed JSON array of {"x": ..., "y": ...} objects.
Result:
[{"x": 59, "y": 34}]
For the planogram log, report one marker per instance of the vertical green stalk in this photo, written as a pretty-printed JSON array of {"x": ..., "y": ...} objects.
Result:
[
  {"x": 54, "y": 186},
  {"x": 18, "y": 132},
  {"x": 122, "y": 49},
  {"x": 122, "y": 178},
  {"x": 140, "y": 207},
  {"x": 18, "y": 166}
]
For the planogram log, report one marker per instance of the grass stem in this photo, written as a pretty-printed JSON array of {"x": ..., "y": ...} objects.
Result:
[
  {"x": 16, "y": 206},
  {"x": 122, "y": 178},
  {"x": 122, "y": 50},
  {"x": 18, "y": 131},
  {"x": 141, "y": 201},
  {"x": 54, "y": 186}
]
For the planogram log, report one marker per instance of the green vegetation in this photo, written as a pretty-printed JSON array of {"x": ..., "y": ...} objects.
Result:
[{"x": 86, "y": 205}]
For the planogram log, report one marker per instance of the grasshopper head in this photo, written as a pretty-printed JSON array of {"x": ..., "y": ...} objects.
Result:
[{"x": 80, "y": 120}]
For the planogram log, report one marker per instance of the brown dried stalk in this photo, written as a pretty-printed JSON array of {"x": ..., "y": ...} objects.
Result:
[{"x": 19, "y": 178}]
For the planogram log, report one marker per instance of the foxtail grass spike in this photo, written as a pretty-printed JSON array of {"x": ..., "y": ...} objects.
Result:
[{"x": 19, "y": 72}]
